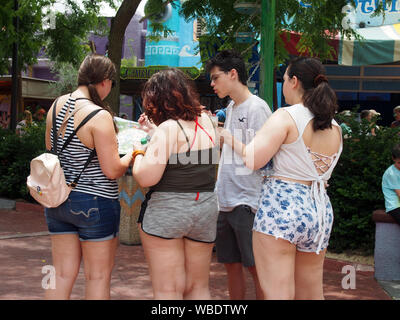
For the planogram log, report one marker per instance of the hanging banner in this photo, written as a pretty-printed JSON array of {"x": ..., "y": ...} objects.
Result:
[{"x": 144, "y": 73}]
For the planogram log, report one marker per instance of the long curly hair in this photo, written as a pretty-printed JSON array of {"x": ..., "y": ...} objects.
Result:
[{"x": 170, "y": 94}]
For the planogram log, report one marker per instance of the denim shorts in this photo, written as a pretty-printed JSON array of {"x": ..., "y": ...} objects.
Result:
[
  {"x": 287, "y": 210},
  {"x": 91, "y": 217}
]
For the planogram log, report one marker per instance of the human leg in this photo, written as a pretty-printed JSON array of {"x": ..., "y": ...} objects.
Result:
[
  {"x": 241, "y": 219},
  {"x": 259, "y": 293},
  {"x": 228, "y": 253},
  {"x": 166, "y": 259},
  {"x": 98, "y": 221},
  {"x": 66, "y": 253},
  {"x": 275, "y": 263},
  {"x": 98, "y": 258},
  {"x": 236, "y": 280},
  {"x": 197, "y": 267},
  {"x": 309, "y": 275},
  {"x": 395, "y": 214}
]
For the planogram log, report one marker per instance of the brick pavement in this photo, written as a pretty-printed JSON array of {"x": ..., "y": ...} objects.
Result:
[{"x": 25, "y": 249}]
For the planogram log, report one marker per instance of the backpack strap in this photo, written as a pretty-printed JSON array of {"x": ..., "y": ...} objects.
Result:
[
  {"x": 92, "y": 153},
  {"x": 70, "y": 114},
  {"x": 75, "y": 182},
  {"x": 84, "y": 121},
  {"x": 54, "y": 148}
]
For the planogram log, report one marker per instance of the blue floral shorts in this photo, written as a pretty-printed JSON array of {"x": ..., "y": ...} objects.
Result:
[{"x": 287, "y": 210}]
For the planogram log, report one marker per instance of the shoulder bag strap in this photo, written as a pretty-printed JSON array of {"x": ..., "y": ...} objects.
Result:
[
  {"x": 54, "y": 147},
  {"x": 70, "y": 114},
  {"x": 84, "y": 121},
  {"x": 91, "y": 156},
  {"x": 92, "y": 153}
]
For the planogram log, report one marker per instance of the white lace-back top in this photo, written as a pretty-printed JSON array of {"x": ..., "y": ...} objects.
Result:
[{"x": 296, "y": 161}]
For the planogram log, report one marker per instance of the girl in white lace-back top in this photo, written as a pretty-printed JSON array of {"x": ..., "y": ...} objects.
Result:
[{"x": 294, "y": 220}]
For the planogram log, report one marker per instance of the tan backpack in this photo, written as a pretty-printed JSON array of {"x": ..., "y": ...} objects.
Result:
[{"x": 46, "y": 182}]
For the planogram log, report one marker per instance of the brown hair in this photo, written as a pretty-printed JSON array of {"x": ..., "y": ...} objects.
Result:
[
  {"x": 170, "y": 94},
  {"x": 94, "y": 69},
  {"x": 28, "y": 117},
  {"x": 318, "y": 95}
]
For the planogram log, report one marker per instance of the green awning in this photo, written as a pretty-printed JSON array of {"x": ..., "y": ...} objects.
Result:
[{"x": 378, "y": 45}]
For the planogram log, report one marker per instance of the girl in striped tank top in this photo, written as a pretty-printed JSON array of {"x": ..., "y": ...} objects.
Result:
[{"x": 86, "y": 225}]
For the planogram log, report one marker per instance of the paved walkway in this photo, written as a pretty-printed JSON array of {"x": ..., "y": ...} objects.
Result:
[{"x": 25, "y": 248}]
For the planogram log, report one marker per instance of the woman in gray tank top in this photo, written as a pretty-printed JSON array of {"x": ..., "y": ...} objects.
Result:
[{"x": 179, "y": 216}]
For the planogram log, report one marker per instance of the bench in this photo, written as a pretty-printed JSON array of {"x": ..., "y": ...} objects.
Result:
[{"x": 387, "y": 246}]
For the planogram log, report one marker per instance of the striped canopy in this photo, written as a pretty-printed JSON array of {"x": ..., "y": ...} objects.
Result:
[{"x": 378, "y": 45}]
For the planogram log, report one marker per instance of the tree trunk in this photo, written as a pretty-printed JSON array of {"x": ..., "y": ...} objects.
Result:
[{"x": 115, "y": 43}]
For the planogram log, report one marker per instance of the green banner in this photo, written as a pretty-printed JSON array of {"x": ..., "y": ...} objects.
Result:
[{"x": 144, "y": 73}]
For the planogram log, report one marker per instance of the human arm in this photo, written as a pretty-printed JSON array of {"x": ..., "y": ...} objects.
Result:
[
  {"x": 397, "y": 192},
  {"x": 105, "y": 143},
  {"x": 48, "y": 128},
  {"x": 266, "y": 142},
  {"x": 148, "y": 169},
  {"x": 146, "y": 125}
]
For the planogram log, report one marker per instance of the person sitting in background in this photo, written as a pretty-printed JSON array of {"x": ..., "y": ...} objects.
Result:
[
  {"x": 25, "y": 123},
  {"x": 371, "y": 116},
  {"x": 364, "y": 114},
  {"x": 39, "y": 115},
  {"x": 346, "y": 130},
  {"x": 396, "y": 115},
  {"x": 391, "y": 185}
]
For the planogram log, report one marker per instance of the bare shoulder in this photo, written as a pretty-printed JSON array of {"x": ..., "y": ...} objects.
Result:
[
  {"x": 281, "y": 116},
  {"x": 89, "y": 106},
  {"x": 168, "y": 125}
]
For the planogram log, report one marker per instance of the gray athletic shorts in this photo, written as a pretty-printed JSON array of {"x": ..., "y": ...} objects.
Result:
[
  {"x": 174, "y": 215},
  {"x": 234, "y": 236}
]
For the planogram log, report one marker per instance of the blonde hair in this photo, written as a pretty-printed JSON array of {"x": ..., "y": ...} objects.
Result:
[{"x": 28, "y": 117}]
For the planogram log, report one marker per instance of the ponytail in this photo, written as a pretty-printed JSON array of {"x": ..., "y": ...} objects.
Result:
[
  {"x": 322, "y": 102},
  {"x": 94, "y": 69},
  {"x": 318, "y": 95}
]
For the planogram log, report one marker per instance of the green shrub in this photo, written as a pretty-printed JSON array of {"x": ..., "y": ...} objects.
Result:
[
  {"x": 15, "y": 155},
  {"x": 355, "y": 187}
]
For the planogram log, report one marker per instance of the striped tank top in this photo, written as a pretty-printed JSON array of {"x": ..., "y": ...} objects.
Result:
[{"x": 74, "y": 156}]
